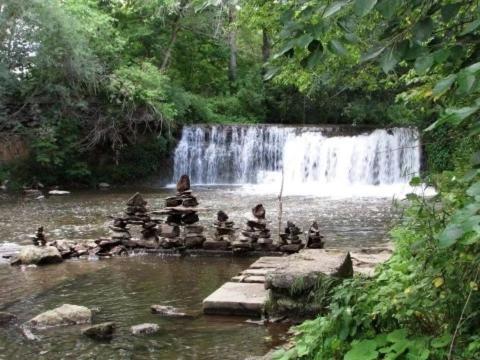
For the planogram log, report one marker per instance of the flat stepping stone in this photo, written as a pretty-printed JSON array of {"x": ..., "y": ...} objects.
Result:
[
  {"x": 249, "y": 279},
  {"x": 268, "y": 262},
  {"x": 255, "y": 272},
  {"x": 235, "y": 298}
]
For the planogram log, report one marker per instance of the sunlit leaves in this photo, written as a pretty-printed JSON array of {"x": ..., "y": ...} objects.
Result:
[
  {"x": 423, "y": 64},
  {"x": 333, "y": 8},
  {"x": 443, "y": 85},
  {"x": 363, "y": 7},
  {"x": 422, "y": 30},
  {"x": 363, "y": 350},
  {"x": 450, "y": 235}
]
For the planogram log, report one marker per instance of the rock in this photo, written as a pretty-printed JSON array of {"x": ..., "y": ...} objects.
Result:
[
  {"x": 194, "y": 241},
  {"x": 291, "y": 248},
  {"x": 183, "y": 184},
  {"x": 103, "y": 331},
  {"x": 32, "y": 192},
  {"x": 64, "y": 315},
  {"x": 216, "y": 245},
  {"x": 222, "y": 216},
  {"x": 103, "y": 185},
  {"x": 190, "y": 202},
  {"x": 36, "y": 255},
  {"x": 136, "y": 201},
  {"x": 190, "y": 218},
  {"x": 308, "y": 267},
  {"x": 6, "y": 318},
  {"x": 145, "y": 329},
  {"x": 167, "y": 310},
  {"x": 259, "y": 211},
  {"x": 168, "y": 231},
  {"x": 194, "y": 229},
  {"x": 59, "y": 192}
]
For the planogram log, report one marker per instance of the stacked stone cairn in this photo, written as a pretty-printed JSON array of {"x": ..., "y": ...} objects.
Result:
[
  {"x": 180, "y": 228},
  {"x": 224, "y": 233},
  {"x": 314, "y": 238},
  {"x": 255, "y": 235},
  {"x": 137, "y": 213},
  {"x": 39, "y": 238},
  {"x": 291, "y": 241}
]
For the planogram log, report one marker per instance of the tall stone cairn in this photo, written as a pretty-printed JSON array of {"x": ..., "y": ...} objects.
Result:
[
  {"x": 314, "y": 238},
  {"x": 291, "y": 241},
  {"x": 180, "y": 228},
  {"x": 39, "y": 238},
  {"x": 224, "y": 233},
  {"x": 255, "y": 235}
]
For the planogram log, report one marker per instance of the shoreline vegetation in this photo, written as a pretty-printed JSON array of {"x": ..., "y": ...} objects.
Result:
[{"x": 98, "y": 90}]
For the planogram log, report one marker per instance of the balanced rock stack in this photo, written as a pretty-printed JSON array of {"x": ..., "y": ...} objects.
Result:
[
  {"x": 314, "y": 238},
  {"x": 181, "y": 211},
  {"x": 137, "y": 213},
  {"x": 291, "y": 239},
  {"x": 256, "y": 235},
  {"x": 120, "y": 230},
  {"x": 224, "y": 233},
  {"x": 39, "y": 238}
]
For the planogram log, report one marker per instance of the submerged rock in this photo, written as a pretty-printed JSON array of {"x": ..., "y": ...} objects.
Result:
[
  {"x": 145, "y": 329},
  {"x": 63, "y": 315},
  {"x": 103, "y": 331},
  {"x": 6, "y": 318},
  {"x": 37, "y": 255},
  {"x": 167, "y": 310},
  {"x": 59, "y": 192}
]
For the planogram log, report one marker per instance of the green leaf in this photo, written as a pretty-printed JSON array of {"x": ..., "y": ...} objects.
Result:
[
  {"x": 304, "y": 40},
  {"x": 372, "y": 54},
  {"x": 285, "y": 49},
  {"x": 422, "y": 30},
  {"x": 388, "y": 7},
  {"x": 397, "y": 335},
  {"x": 474, "y": 190},
  {"x": 363, "y": 7},
  {"x": 472, "y": 69},
  {"x": 388, "y": 61},
  {"x": 363, "y": 350},
  {"x": 443, "y": 85},
  {"x": 416, "y": 181},
  {"x": 441, "y": 341},
  {"x": 441, "y": 55},
  {"x": 270, "y": 74},
  {"x": 423, "y": 64},
  {"x": 458, "y": 115},
  {"x": 351, "y": 38},
  {"x": 450, "y": 235},
  {"x": 336, "y": 47},
  {"x": 465, "y": 82},
  {"x": 333, "y": 8},
  {"x": 469, "y": 27},
  {"x": 475, "y": 159},
  {"x": 449, "y": 11}
]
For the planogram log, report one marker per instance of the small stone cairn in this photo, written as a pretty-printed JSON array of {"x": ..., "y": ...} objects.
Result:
[
  {"x": 180, "y": 227},
  {"x": 39, "y": 238},
  {"x": 291, "y": 241},
  {"x": 255, "y": 235},
  {"x": 224, "y": 233},
  {"x": 314, "y": 238},
  {"x": 137, "y": 213}
]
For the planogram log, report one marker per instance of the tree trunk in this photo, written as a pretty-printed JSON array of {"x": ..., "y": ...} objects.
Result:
[
  {"x": 232, "y": 41},
  {"x": 266, "y": 45},
  {"x": 171, "y": 44},
  {"x": 173, "y": 37}
]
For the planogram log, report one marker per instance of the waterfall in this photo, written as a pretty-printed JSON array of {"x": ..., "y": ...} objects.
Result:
[{"x": 313, "y": 156}]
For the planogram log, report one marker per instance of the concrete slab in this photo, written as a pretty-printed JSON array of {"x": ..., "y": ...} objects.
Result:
[
  {"x": 249, "y": 279},
  {"x": 268, "y": 262},
  {"x": 235, "y": 298},
  {"x": 256, "y": 272}
]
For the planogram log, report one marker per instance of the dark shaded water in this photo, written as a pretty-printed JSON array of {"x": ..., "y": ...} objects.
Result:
[{"x": 122, "y": 289}]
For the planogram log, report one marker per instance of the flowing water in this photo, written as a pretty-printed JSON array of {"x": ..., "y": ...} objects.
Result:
[
  {"x": 314, "y": 160},
  {"x": 357, "y": 177}
]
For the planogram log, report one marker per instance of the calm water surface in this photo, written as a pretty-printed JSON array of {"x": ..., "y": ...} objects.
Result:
[{"x": 122, "y": 289}]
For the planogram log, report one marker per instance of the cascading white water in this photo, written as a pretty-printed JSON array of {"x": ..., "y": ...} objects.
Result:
[{"x": 309, "y": 156}]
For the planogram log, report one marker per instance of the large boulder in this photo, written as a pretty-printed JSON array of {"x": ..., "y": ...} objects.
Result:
[
  {"x": 103, "y": 331},
  {"x": 63, "y": 315},
  {"x": 145, "y": 329},
  {"x": 37, "y": 255},
  {"x": 305, "y": 269}
]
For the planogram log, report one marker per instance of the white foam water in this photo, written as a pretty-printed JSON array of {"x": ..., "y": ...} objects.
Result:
[{"x": 378, "y": 163}]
